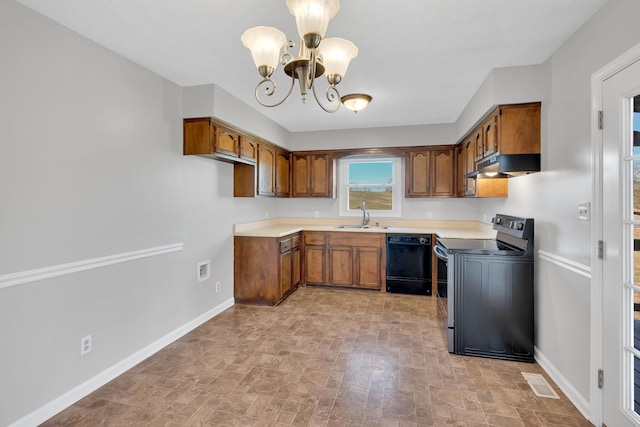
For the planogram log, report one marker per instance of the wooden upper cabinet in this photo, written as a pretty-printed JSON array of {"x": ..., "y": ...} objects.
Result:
[
  {"x": 442, "y": 179},
  {"x": 510, "y": 129},
  {"x": 470, "y": 166},
  {"x": 266, "y": 169},
  {"x": 519, "y": 131},
  {"x": 205, "y": 137},
  {"x": 227, "y": 141},
  {"x": 312, "y": 175},
  {"x": 461, "y": 159},
  {"x": 490, "y": 134},
  {"x": 283, "y": 171},
  {"x": 430, "y": 173},
  {"x": 417, "y": 174},
  {"x": 248, "y": 147},
  {"x": 478, "y": 142}
]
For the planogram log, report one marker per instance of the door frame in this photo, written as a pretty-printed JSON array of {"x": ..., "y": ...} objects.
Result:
[{"x": 597, "y": 319}]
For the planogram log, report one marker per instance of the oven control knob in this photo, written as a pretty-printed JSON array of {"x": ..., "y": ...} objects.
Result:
[
  {"x": 423, "y": 240},
  {"x": 520, "y": 226},
  {"x": 498, "y": 220}
]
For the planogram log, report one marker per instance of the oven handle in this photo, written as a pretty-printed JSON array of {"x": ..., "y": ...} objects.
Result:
[{"x": 440, "y": 252}]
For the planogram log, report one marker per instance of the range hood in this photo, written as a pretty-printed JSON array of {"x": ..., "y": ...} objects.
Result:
[{"x": 506, "y": 165}]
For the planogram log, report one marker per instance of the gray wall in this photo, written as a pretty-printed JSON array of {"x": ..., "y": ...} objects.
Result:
[
  {"x": 91, "y": 165},
  {"x": 552, "y": 196}
]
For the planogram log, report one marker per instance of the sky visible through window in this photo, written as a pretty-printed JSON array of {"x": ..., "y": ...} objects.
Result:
[{"x": 370, "y": 173}]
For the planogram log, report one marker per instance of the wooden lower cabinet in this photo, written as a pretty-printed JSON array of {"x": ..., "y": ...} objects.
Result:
[
  {"x": 314, "y": 249},
  {"x": 345, "y": 259},
  {"x": 266, "y": 269}
]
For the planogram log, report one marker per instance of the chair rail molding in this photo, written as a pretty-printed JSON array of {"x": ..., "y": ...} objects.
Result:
[
  {"x": 566, "y": 263},
  {"x": 22, "y": 277}
]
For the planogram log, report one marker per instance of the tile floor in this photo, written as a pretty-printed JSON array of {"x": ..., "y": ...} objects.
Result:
[{"x": 324, "y": 357}]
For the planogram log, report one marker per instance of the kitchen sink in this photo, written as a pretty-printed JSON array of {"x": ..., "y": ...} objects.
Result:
[{"x": 363, "y": 227}]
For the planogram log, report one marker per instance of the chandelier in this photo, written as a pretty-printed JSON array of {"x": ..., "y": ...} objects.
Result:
[{"x": 317, "y": 55}]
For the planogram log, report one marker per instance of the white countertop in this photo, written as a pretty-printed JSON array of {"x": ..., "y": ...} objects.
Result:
[{"x": 279, "y": 227}]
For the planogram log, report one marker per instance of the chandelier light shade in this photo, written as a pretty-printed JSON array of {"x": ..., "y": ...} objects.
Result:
[
  {"x": 312, "y": 16},
  {"x": 356, "y": 101},
  {"x": 265, "y": 44},
  {"x": 316, "y": 56},
  {"x": 336, "y": 54}
]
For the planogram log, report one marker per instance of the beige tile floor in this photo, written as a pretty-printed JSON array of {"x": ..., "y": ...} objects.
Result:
[{"x": 324, "y": 357}]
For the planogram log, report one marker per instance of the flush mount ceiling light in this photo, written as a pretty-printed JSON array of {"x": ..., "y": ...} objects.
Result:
[
  {"x": 317, "y": 55},
  {"x": 356, "y": 101}
]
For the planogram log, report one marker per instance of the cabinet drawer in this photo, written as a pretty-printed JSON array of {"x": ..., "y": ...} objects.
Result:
[
  {"x": 314, "y": 239},
  {"x": 295, "y": 241},
  {"x": 285, "y": 245},
  {"x": 355, "y": 239}
]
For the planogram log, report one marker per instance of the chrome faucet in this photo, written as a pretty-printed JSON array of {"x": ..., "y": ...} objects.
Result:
[{"x": 365, "y": 215}]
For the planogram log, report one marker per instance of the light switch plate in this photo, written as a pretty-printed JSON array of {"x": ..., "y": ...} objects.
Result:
[{"x": 584, "y": 211}]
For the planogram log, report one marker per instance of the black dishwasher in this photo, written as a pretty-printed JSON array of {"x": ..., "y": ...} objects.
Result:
[{"x": 409, "y": 264}]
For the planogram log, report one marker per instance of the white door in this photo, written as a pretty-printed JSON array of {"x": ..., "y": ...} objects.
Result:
[{"x": 621, "y": 265}]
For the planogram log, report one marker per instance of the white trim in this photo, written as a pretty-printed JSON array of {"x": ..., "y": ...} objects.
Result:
[
  {"x": 23, "y": 277},
  {"x": 569, "y": 390},
  {"x": 566, "y": 263},
  {"x": 597, "y": 320},
  {"x": 69, "y": 398}
]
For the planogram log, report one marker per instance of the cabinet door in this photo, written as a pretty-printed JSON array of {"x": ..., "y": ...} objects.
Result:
[
  {"x": 227, "y": 141},
  {"x": 490, "y": 134},
  {"x": 282, "y": 174},
  {"x": 314, "y": 265},
  {"x": 520, "y": 129},
  {"x": 266, "y": 170},
  {"x": 442, "y": 173},
  {"x": 301, "y": 176},
  {"x": 341, "y": 265},
  {"x": 367, "y": 266},
  {"x": 198, "y": 136},
  {"x": 321, "y": 181},
  {"x": 478, "y": 141},
  {"x": 248, "y": 148},
  {"x": 295, "y": 269},
  {"x": 461, "y": 161},
  {"x": 285, "y": 273},
  {"x": 417, "y": 174},
  {"x": 470, "y": 186}
]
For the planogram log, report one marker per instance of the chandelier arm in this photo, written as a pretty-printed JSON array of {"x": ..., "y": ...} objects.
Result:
[
  {"x": 270, "y": 88},
  {"x": 332, "y": 94},
  {"x": 312, "y": 67},
  {"x": 286, "y": 55}
]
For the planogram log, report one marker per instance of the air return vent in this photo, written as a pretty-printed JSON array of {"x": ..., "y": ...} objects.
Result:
[
  {"x": 204, "y": 270},
  {"x": 539, "y": 385}
]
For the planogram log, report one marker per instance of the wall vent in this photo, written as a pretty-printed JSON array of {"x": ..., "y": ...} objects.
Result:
[{"x": 204, "y": 270}]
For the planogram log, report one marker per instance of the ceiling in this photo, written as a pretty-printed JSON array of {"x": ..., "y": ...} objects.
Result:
[{"x": 421, "y": 60}]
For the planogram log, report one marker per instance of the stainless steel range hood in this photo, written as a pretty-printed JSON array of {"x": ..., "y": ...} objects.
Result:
[{"x": 507, "y": 165}]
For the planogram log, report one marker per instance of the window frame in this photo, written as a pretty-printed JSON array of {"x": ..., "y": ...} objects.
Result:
[{"x": 343, "y": 185}]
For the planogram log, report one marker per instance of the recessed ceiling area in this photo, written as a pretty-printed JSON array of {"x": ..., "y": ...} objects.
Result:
[{"x": 421, "y": 61}]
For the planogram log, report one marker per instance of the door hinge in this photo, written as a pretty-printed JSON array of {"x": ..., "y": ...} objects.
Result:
[
  {"x": 600, "y": 249},
  {"x": 600, "y": 119},
  {"x": 600, "y": 378}
]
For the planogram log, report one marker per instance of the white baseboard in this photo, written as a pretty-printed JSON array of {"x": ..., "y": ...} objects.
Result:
[
  {"x": 69, "y": 398},
  {"x": 567, "y": 388}
]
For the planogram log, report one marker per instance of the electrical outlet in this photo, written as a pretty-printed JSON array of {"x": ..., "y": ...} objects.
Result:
[
  {"x": 429, "y": 215},
  {"x": 266, "y": 215},
  {"x": 316, "y": 213},
  {"x": 85, "y": 345},
  {"x": 217, "y": 287}
]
